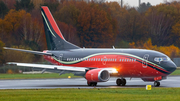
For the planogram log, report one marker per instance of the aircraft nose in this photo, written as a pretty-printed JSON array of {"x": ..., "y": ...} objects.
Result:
[{"x": 170, "y": 66}]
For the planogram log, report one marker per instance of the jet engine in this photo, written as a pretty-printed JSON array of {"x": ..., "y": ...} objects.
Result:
[{"x": 97, "y": 75}]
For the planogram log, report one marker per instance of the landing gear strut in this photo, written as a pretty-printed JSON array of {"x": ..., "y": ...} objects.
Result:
[
  {"x": 156, "y": 84},
  {"x": 121, "y": 82},
  {"x": 92, "y": 83}
]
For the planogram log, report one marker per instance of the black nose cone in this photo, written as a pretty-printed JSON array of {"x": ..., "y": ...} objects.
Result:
[{"x": 170, "y": 66}]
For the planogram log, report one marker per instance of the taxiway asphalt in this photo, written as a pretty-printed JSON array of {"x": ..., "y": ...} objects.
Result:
[{"x": 171, "y": 81}]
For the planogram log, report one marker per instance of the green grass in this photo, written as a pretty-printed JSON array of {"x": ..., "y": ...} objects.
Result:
[
  {"x": 35, "y": 76},
  {"x": 95, "y": 94},
  {"x": 176, "y": 72}
]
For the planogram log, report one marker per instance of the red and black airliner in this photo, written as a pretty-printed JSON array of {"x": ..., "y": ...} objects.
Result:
[{"x": 97, "y": 65}]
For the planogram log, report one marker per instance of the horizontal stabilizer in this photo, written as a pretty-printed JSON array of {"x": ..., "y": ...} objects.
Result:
[{"x": 29, "y": 51}]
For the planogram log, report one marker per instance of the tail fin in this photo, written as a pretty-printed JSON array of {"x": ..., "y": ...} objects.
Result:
[{"x": 54, "y": 37}]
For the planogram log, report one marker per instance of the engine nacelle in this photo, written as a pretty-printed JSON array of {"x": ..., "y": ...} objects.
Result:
[{"x": 97, "y": 75}]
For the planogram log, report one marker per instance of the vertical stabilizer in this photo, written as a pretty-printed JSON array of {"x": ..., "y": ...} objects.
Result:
[{"x": 54, "y": 37}]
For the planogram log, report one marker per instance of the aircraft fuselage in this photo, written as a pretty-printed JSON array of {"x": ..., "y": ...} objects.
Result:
[{"x": 128, "y": 62}]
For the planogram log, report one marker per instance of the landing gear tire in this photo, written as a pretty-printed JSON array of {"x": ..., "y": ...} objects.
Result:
[
  {"x": 118, "y": 82},
  {"x": 156, "y": 84},
  {"x": 92, "y": 83},
  {"x": 121, "y": 82}
]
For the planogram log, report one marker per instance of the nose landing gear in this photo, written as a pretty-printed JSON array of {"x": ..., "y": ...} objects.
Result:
[{"x": 121, "y": 82}]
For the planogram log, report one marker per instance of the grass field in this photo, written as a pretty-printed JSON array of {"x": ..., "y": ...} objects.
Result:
[
  {"x": 48, "y": 75},
  {"x": 176, "y": 72},
  {"x": 94, "y": 94},
  {"x": 35, "y": 76}
]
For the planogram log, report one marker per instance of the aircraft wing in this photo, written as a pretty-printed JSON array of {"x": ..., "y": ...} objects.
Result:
[{"x": 57, "y": 67}]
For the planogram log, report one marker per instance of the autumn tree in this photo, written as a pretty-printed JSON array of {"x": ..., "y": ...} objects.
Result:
[
  {"x": 69, "y": 32},
  {"x": 171, "y": 51},
  {"x": 3, "y": 9},
  {"x": 144, "y": 7},
  {"x": 176, "y": 33},
  {"x": 99, "y": 1},
  {"x": 24, "y": 4},
  {"x": 133, "y": 27},
  {"x": 12, "y": 22},
  {"x": 75, "y": 14},
  {"x": 118, "y": 13},
  {"x": 10, "y": 3},
  {"x": 143, "y": 45},
  {"x": 1, "y": 53},
  {"x": 19, "y": 28},
  {"x": 17, "y": 56},
  {"x": 2, "y": 35},
  {"x": 94, "y": 27},
  {"x": 9, "y": 25},
  {"x": 37, "y": 3},
  {"x": 36, "y": 37},
  {"x": 161, "y": 21},
  {"x": 69, "y": 14}
]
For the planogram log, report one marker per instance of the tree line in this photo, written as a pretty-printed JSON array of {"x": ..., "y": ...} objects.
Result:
[{"x": 89, "y": 24}]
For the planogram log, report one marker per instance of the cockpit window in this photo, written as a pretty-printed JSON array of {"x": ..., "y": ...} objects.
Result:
[{"x": 159, "y": 59}]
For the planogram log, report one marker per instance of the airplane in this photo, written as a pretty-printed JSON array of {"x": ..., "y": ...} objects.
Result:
[{"x": 98, "y": 64}]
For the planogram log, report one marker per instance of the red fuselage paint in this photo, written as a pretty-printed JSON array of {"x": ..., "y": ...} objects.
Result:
[{"x": 127, "y": 67}]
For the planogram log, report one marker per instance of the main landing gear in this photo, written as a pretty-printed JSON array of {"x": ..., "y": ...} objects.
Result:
[
  {"x": 92, "y": 83},
  {"x": 156, "y": 84},
  {"x": 121, "y": 82}
]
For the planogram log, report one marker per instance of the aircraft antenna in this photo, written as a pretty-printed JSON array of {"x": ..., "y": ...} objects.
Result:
[{"x": 113, "y": 47}]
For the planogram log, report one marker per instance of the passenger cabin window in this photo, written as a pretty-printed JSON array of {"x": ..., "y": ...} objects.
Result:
[{"x": 157, "y": 59}]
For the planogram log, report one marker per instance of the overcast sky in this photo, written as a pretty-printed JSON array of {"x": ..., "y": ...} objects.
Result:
[{"x": 136, "y": 2}]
